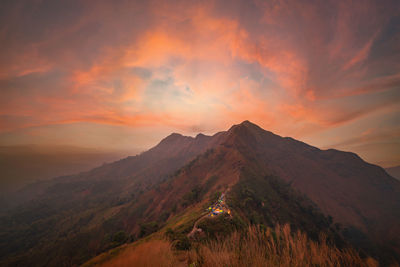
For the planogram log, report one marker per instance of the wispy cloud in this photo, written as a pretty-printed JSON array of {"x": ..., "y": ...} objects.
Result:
[{"x": 298, "y": 69}]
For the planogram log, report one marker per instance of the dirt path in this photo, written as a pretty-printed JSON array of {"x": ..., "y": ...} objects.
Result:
[{"x": 195, "y": 228}]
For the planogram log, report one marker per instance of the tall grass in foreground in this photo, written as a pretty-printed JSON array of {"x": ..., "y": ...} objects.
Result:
[
  {"x": 255, "y": 247},
  {"x": 279, "y": 247}
]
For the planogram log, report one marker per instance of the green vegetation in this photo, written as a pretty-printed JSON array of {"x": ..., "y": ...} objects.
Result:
[
  {"x": 197, "y": 193},
  {"x": 267, "y": 200},
  {"x": 179, "y": 239},
  {"x": 58, "y": 229},
  {"x": 148, "y": 228},
  {"x": 192, "y": 197},
  {"x": 220, "y": 226},
  {"x": 120, "y": 237}
]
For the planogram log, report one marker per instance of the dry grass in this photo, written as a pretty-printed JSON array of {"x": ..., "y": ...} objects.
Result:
[
  {"x": 152, "y": 253},
  {"x": 256, "y": 247},
  {"x": 281, "y": 248}
]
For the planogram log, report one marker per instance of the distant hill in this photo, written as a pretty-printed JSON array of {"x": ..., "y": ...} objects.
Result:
[
  {"x": 394, "y": 171},
  {"x": 23, "y": 164},
  {"x": 268, "y": 179}
]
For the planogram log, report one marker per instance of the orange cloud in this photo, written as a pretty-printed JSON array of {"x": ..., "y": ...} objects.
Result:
[
  {"x": 294, "y": 68},
  {"x": 361, "y": 55}
]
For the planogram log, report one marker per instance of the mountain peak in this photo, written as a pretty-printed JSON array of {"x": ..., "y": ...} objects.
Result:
[
  {"x": 172, "y": 138},
  {"x": 200, "y": 135},
  {"x": 246, "y": 126},
  {"x": 247, "y": 123}
]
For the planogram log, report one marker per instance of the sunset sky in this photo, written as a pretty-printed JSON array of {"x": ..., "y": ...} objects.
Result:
[{"x": 124, "y": 74}]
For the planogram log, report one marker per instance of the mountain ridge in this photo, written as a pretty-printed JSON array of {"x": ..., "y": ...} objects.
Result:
[
  {"x": 139, "y": 194},
  {"x": 373, "y": 193}
]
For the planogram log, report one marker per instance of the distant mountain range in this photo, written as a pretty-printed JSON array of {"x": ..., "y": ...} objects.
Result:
[{"x": 269, "y": 179}]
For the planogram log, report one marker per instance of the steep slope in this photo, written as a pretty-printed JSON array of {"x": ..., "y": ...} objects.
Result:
[
  {"x": 359, "y": 195},
  {"x": 131, "y": 173},
  {"x": 254, "y": 197},
  {"x": 70, "y": 210},
  {"x": 71, "y": 219},
  {"x": 353, "y": 191},
  {"x": 340, "y": 183},
  {"x": 251, "y": 191}
]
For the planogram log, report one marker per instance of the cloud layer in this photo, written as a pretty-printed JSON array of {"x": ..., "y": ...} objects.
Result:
[{"x": 326, "y": 72}]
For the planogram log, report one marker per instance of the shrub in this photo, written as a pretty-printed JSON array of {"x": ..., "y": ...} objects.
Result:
[
  {"x": 221, "y": 226},
  {"x": 120, "y": 237},
  {"x": 179, "y": 239},
  {"x": 182, "y": 243},
  {"x": 148, "y": 228},
  {"x": 192, "y": 197}
]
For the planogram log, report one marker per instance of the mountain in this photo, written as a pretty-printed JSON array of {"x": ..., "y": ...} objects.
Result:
[
  {"x": 268, "y": 179},
  {"x": 394, "y": 172},
  {"x": 353, "y": 191},
  {"x": 78, "y": 209},
  {"x": 133, "y": 173}
]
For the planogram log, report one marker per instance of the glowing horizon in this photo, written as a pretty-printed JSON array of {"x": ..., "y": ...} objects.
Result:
[{"x": 125, "y": 75}]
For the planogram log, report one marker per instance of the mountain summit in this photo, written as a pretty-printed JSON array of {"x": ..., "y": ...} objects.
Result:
[{"x": 267, "y": 179}]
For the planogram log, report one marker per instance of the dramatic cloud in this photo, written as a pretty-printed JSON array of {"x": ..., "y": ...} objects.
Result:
[{"x": 309, "y": 69}]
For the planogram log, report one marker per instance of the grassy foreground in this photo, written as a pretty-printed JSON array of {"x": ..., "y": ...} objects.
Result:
[{"x": 255, "y": 247}]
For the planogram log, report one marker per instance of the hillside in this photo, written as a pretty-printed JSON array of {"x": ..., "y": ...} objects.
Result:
[
  {"x": 76, "y": 210},
  {"x": 344, "y": 186},
  {"x": 269, "y": 179}
]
